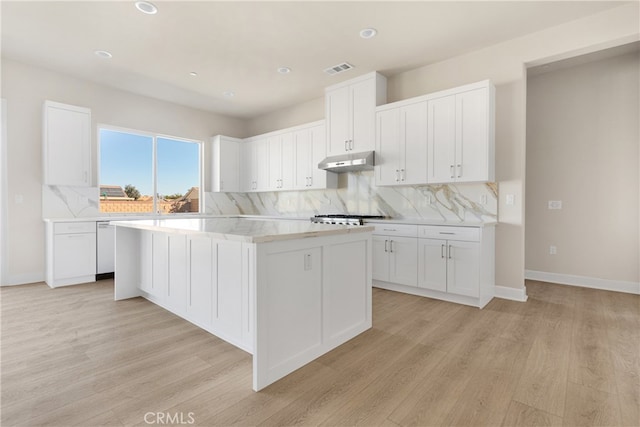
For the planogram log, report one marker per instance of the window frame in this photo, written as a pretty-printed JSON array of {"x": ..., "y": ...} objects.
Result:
[{"x": 154, "y": 142}]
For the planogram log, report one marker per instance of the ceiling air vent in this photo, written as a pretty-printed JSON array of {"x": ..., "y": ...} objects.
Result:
[{"x": 338, "y": 68}]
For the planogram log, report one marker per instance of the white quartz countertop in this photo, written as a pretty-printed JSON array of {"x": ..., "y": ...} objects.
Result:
[
  {"x": 250, "y": 230},
  {"x": 411, "y": 221}
]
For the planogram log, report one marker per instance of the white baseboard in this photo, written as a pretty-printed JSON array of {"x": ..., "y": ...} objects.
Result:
[
  {"x": 23, "y": 279},
  {"x": 513, "y": 294},
  {"x": 585, "y": 282}
]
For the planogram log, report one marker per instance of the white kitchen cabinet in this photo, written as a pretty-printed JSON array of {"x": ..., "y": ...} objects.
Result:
[
  {"x": 255, "y": 161},
  {"x": 71, "y": 253},
  {"x": 449, "y": 266},
  {"x": 310, "y": 148},
  {"x": 457, "y": 261},
  {"x": 350, "y": 113},
  {"x": 225, "y": 164},
  {"x": 395, "y": 254},
  {"x": 66, "y": 145},
  {"x": 281, "y": 161},
  {"x": 461, "y": 134},
  {"x": 200, "y": 274},
  {"x": 177, "y": 275},
  {"x": 401, "y": 145}
]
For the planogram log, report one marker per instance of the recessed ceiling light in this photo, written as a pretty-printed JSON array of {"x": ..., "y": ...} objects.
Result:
[
  {"x": 368, "y": 33},
  {"x": 103, "y": 54},
  {"x": 228, "y": 94},
  {"x": 146, "y": 7},
  {"x": 284, "y": 70},
  {"x": 193, "y": 74}
]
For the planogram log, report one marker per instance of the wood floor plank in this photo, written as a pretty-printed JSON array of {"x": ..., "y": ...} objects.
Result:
[
  {"x": 543, "y": 384},
  {"x": 73, "y": 356},
  {"x": 521, "y": 415},
  {"x": 376, "y": 402},
  {"x": 586, "y": 406}
]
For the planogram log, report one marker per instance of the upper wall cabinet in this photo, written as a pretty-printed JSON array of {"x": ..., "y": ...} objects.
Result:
[
  {"x": 401, "y": 145},
  {"x": 350, "y": 113},
  {"x": 225, "y": 164},
  {"x": 254, "y": 158},
  {"x": 281, "y": 161},
  {"x": 461, "y": 134},
  {"x": 310, "y": 148},
  {"x": 66, "y": 147}
]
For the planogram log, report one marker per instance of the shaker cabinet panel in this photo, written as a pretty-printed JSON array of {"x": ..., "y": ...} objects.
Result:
[
  {"x": 225, "y": 164},
  {"x": 351, "y": 113},
  {"x": 66, "y": 145}
]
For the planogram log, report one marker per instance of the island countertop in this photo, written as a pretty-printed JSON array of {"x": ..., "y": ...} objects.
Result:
[{"x": 249, "y": 230}]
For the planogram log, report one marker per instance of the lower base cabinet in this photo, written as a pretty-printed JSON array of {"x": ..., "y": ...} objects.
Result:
[
  {"x": 71, "y": 253},
  {"x": 444, "y": 262}
]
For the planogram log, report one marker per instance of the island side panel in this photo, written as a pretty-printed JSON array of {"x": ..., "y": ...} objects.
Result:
[
  {"x": 127, "y": 263},
  {"x": 292, "y": 289}
]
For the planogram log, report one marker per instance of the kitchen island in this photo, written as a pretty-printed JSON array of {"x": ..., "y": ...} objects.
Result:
[{"x": 285, "y": 291}]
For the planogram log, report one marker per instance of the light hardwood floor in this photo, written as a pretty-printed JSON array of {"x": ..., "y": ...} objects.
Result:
[{"x": 568, "y": 356}]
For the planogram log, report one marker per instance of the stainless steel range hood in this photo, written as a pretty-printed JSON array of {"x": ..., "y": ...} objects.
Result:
[{"x": 351, "y": 162}]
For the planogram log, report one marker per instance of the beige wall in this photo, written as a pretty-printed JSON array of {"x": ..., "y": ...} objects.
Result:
[
  {"x": 25, "y": 88},
  {"x": 306, "y": 112},
  {"x": 504, "y": 64},
  {"x": 583, "y": 148}
]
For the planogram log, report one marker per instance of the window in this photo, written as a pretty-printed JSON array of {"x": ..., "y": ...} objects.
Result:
[{"x": 146, "y": 173}]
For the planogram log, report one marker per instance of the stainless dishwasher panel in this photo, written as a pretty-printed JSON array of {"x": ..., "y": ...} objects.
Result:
[{"x": 106, "y": 247}]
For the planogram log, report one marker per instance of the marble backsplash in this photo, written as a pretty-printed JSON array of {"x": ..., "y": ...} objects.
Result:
[
  {"x": 357, "y": 194},
  {"x": 70, "y": 202}
]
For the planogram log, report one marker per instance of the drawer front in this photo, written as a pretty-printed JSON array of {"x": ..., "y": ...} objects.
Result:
[
  {"x": 74, "y": 227},
  {"x": 403, "y": 230},
  {"x": 467, "y": 234}
]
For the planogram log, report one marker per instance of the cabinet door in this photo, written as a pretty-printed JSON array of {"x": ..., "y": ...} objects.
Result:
[
  {"x": 74, "y": 255},
  {"x": 67, "y": 145},
  {"x": 247, "y": 166},
  {"x": 262, "y": 165},
  {"x": 303, "y": 150},
  {"x": 275, "y": 163},
  {"x": 286, "y": 161},
  {"x": 463, "y": 268},
  {"x": 226, "y": 162},
  {"x": 403, "y": 260},
  {"x": 345, "y": 290},
  {"x": 380, "y": 252},
  {"x": 227, "y": 298},
  {"x": 441, "y": 139},
  {"x": 338, "y": 120},
  {"x": 387, "y": 169},
  {"x": 177, "y": 283},
  {"x": 432, "y": 264},
  {"x": 413, "y": 146},
  {"x": 472, "y": 135},
  {"x": 318, "y": 177},
  {"x": 292, "y": 303},
  {"x": 159, "y": 265},
  {"x": 363, "y": 116},
  {"x": 201, "y": 253}
]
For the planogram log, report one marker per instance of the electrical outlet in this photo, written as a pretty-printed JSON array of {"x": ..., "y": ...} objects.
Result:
[
  {"x": 555, "y": 204},
  {"x": 553, "y": 250}
]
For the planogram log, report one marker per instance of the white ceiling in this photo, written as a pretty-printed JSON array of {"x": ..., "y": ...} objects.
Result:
[{"x": 237, "y": 46}]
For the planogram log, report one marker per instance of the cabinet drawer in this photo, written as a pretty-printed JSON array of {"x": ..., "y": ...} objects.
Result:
[
  {"x": 469, "y": 234},
  {"x": 405, "y": 230},
  {"x": 74, "y": 227}
]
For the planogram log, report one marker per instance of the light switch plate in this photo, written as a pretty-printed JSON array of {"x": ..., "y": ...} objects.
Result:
[{"x": 511, "y": 199}]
